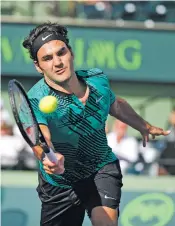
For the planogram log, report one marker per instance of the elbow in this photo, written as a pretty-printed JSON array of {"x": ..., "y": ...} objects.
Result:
[
  {"x": 121, "y": 100},
  {"x": 116, "y": 107}
]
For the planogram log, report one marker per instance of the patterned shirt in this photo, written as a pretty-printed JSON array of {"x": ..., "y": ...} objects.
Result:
[{"x": 77, "y": 130}]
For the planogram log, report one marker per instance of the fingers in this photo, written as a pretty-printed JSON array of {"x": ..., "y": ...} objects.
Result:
[
  {"x": 155, "y": 131},
  {"x": 145, "y": 140},
  {"x": 153, "y": 137},
  {"x": 48, "y": 170},
  {"x": 144, "y": 143},
  {"x": 48, "y": 163},
  {"x": 54, "y": 168},
  {"x": 165, "y": 133}
]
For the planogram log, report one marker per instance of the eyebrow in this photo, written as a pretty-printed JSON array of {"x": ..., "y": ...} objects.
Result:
[{"x": 58, "y": 51}]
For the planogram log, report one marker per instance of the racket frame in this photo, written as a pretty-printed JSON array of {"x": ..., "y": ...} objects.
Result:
[
  {"x": 16, "y": 115},
  {"x": 40, "y": 140}
]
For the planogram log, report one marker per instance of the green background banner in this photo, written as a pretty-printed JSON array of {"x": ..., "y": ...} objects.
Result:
[
  {"x": 146, "y": 201},
  {"x": 21, "y": 207},
  {"x": 124, "y": 54}
]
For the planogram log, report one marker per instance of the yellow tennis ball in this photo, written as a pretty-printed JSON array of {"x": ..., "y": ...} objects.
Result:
[{"x": 48, "y": 104}]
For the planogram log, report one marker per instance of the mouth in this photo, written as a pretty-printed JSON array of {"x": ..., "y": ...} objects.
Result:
[{"x": 61, "y": 71}]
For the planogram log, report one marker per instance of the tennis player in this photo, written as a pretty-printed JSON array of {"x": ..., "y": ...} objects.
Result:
[{"x": 87, "y": 175}]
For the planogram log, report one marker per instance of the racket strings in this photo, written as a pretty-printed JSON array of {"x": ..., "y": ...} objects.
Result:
[{"x": 24, "y": 114}]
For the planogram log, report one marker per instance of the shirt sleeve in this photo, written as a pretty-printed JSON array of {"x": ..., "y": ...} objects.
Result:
[
  {"x": 105, "y": 83},
  {"x": 112, "y": 97},
  {"x": 40, "y": 117}
]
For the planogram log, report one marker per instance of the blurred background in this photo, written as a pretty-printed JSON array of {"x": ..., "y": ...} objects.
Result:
[{"x": 133, "y": 42}]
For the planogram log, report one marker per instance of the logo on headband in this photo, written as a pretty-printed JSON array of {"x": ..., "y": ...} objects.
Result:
[{"x": 44, "y": 38}]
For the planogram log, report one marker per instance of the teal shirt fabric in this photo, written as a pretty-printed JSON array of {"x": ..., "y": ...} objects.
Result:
[{"x": 77, "y": 131}]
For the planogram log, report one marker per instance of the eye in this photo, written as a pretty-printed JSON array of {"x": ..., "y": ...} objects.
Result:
[
  {"x": 47, "y": 58},
  {"x": 62, "y": 51}
]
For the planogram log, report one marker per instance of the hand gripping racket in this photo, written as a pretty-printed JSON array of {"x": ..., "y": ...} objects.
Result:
[{"x": 26, "y": 120}]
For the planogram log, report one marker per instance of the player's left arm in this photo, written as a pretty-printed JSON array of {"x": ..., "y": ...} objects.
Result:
[{"x": 121, "y": 110}]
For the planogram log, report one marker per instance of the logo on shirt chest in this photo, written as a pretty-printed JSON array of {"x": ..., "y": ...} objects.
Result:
[{"x": 98, "y": 99}]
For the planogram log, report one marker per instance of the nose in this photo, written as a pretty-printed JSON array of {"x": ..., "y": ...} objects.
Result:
[{"x": 57, "y": 61}]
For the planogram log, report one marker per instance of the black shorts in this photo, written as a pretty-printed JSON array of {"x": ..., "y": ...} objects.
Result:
[{"x": 62, "y": 207}]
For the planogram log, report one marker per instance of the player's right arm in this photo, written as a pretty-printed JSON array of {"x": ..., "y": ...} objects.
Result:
[{"x": 49, "y": 167}]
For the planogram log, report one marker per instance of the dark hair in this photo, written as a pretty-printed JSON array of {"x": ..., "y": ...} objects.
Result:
[{"x": 45, "y": 27}]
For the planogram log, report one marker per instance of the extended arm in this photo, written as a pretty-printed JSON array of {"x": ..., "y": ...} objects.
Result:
[
  {"x": 49, "y": 166},
  {"x": 38, "y": 150},
  {"x": 121, "y": 110}
]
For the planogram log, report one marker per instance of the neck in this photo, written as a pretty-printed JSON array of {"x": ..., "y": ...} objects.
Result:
[
  {"x": 73, "y": 85},
  {"x": 76, "y": 86}
]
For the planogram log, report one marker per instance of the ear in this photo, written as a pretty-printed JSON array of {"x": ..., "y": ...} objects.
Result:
[{"x": 38, "y": 67}]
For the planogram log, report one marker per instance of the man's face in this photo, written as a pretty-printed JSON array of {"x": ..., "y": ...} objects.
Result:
[{"x": 55, "y": 61}]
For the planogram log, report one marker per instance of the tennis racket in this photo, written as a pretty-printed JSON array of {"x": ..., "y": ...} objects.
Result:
[{"x": 26, "y": 120}]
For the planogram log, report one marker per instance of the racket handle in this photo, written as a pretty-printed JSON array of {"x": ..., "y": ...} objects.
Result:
[{"x": 51, "y": 156}]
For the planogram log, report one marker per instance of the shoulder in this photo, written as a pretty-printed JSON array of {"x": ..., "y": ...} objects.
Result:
[
  {"x": 93, "y": 75},
  {"x": 39, "y": 90},
  {"x": 93, "y": 72}
]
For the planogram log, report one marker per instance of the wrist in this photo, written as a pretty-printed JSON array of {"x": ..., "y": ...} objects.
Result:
[
  {"x": 145, "y": 128},
  {"x": 148, "y": 125},
  {"x": 43, "y": 155}
]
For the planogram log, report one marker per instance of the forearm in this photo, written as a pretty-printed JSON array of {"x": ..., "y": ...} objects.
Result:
[
  {"x": 121, "y": 110},
  {"x": 39, "y": 150},
  {"x": 39, "y": 153}
]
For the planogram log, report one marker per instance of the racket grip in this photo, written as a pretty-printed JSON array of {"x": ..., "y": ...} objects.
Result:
[{"x": 51, "y": 156}]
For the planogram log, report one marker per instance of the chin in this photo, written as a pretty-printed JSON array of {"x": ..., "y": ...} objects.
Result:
[{"x": 63, "y": 81}]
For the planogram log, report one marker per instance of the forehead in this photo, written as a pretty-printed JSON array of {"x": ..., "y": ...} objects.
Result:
[{"x": 51, "y": 47}]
